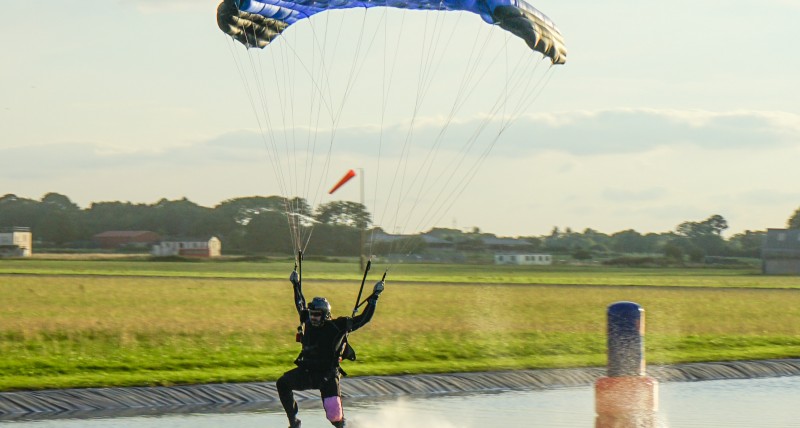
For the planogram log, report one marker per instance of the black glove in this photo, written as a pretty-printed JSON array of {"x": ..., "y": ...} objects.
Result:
[
  {"x": 376, "y": 291},
  {"x": 295, "y": 278}
]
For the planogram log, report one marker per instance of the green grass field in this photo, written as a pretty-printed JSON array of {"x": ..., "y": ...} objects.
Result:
[
  {"x": 439, "y": 273},
  {"x": 76, "y": 323}
]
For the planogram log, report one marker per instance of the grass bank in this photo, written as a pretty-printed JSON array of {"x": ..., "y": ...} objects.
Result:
[{"x": 61, "y": 331}]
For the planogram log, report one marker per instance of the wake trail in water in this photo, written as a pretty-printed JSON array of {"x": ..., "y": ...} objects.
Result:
[{"x": 400, "y": 415}]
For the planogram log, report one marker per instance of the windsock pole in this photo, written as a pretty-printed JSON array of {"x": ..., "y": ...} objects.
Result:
[{"x": 626, "y": 397}]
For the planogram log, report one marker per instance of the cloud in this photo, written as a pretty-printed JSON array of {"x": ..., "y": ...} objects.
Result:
[
  {"x": 638, "y": 130},
  {"x": 587, "y": 133},
  {"x": 605, "y": 132},
  {"x": 54, "y": 160}
]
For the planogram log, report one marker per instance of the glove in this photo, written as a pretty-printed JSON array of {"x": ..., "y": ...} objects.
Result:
[
  {"x": 378, "y": 289},
  {"x": 294, "y": 277}
]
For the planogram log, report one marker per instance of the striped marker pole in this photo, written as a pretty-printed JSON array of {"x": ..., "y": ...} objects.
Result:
[{"x": 626, "y": 397}]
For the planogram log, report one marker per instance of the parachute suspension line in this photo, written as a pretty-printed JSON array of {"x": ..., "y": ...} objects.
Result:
[
  {"x": 290, "y": 144},
  {"x": 318, "y": 99},
  {"x": 285, "y": 89},
  {"x": 335, "y": 112},
  {"x": 263, "y": 121},
  {"x": 294, "y": 211},
  {"x": 476, "y": 166},
  {"x": 404, "y": 153},
  {"x": 431, "y": 65},
  {"x": 311, "y": 143},
  {"x": 301, "y": 175},
  {"x": 427, "y": 62},
  {"x": 323, "y": 87},
  {"x": 468, "y": 83},
  {"x": 338, "y": 113},
  {"x": 535, "y": 92},
  {"x": 452, "y": 196},
  {"x": 505, "y": 87},
  {"x": 493, "y": 112},
  {"x": 285, "y": 79},
  {"x": 257, "y": 73},
  {"x": 285, "y": 85},
  {"x": 464, "y": 89},
  {"x": 432, "y": 71},
  {"x": 324, "y": 77},
  {"x": 385, "y": 91},
  {"x": 356, "y": 66}
]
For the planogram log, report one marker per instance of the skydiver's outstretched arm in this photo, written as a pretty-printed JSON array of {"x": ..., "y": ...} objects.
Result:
[
  {"x": 299, "y": 300},
  {"x": 372, "y": 302}
]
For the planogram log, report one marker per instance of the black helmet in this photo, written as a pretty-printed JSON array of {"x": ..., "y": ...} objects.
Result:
[{"x": 320, "y": 304}]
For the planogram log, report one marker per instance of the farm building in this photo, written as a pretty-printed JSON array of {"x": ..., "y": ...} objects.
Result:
[
  {"x": 780, "y": 254},
  {"x": 523, "y": 259},
  {"x": 211, "y": 247},
  {"x": 16, "y": 242},
  {"x": 126, "y": 238}
]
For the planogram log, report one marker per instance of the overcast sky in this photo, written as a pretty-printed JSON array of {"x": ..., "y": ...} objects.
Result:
[{"x": 664, "y": 112}]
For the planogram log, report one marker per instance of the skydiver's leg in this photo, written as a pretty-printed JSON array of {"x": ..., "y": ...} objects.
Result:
[
  {"x": 331, "y": 393},
  {"x": 296, "y": 379}
]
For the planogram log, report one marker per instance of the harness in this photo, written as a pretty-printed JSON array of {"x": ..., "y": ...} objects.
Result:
[{"x": 341, "y": 347}]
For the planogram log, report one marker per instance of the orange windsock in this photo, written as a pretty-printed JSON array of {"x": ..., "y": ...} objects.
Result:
[{"x": 350, "y": 174}]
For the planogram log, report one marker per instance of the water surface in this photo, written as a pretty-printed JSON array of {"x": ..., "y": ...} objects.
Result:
[{"x": 770, "y": 402}]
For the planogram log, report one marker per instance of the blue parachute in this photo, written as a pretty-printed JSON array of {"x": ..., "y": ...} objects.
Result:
[{"x": 257, "y": 23}]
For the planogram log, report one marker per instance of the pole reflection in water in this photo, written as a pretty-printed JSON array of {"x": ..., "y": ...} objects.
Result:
[{"x": 770, "y": 402}]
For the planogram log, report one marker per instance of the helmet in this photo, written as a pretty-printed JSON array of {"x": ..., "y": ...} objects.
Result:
[{"x": 320, "y": 304}]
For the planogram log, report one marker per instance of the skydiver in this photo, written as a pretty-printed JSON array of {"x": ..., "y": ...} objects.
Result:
[{"x": 325, "y": 344}]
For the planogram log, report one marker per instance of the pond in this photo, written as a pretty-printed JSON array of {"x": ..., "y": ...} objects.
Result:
[{"x": 766, "y": 402}]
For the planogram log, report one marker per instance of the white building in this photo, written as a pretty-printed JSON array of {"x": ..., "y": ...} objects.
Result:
[
  {"x": 523, "y": 259},
  {"x": 189, "y": 248},
  {"x": 16, "y": 242}
]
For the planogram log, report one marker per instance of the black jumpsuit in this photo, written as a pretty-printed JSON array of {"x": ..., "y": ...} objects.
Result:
[{"x": 318, "y": 362}]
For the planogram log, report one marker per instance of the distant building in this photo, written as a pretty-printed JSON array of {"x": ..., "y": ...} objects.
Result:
[
  {"x": 523, "y": 259},
  {"x": 16, "y": 242},
  {"x": 780, "y": 254},
  {"x": 211, "y": 247},
  {"x": 506, "y": 245},
  {"x": 126, "y": 238}
]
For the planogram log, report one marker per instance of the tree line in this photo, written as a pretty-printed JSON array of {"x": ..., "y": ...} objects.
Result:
[
  {"x": 244, "y": 225},
  {"x": 257, "y": 225}
]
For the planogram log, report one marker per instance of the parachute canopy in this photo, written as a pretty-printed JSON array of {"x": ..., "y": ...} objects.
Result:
[{"x": 256, "y": 23}]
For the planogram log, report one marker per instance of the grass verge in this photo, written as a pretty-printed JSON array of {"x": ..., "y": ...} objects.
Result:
[{"x": 81, "y": 331}]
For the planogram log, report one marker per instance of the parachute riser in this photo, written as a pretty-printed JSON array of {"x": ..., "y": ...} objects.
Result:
[
  {"x": 361, "y": 290},
  {"x": 298, "y": 266},
  {"x": 367, "y": 299}
]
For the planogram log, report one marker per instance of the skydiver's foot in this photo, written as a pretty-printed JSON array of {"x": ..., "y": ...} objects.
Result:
[
  {"x": 340, "y": 424},
  {"x": 294, "y": 424}
]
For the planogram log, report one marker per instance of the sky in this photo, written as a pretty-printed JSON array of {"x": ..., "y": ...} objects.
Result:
[{"x": 664, "y": 112}]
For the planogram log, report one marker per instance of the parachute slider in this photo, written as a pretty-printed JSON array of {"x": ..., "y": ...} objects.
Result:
[{"x": 350, "y": 174}]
